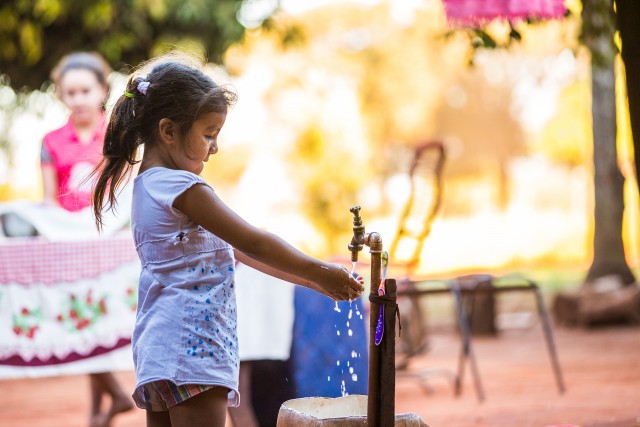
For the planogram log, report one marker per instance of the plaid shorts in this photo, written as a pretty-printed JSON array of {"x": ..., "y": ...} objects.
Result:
[{"x": 159, "y": 396}]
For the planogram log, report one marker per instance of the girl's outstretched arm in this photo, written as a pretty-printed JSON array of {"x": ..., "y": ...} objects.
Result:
[
  {"x": 204, "y": 207},
  {"x": 240, "y": 256}
]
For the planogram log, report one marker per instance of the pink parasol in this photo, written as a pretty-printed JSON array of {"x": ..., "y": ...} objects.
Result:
[{"x": 475, "y": 12}]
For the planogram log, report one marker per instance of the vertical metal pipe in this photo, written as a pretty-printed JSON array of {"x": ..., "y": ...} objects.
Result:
[{"x": 374, "y": 241}]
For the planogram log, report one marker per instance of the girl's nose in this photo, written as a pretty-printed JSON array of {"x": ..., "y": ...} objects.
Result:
[{"x": 213, "y": 149}]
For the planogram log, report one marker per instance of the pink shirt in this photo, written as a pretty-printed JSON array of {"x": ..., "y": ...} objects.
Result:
[{"x": 74, "y": 162}]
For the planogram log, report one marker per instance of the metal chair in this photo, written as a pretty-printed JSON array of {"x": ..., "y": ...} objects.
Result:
[{"x": 420, "y": 210}]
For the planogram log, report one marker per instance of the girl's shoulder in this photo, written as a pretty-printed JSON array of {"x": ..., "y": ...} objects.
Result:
[
  {"x": 60, "y": 136},
  {"x": 166, "y": 184},
  {"x": 162, "y": 175}
]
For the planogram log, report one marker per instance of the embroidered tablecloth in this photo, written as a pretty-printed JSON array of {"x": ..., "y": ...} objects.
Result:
[{"x": 66, "y": 307}]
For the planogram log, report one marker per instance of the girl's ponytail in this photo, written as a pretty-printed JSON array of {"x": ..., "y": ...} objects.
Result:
[
  {"x": 121, "y": 143},
  {"x": 175, "y": 88}
]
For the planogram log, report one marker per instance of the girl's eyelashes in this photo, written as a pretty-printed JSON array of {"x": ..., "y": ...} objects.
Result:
[{"x": 212, "y": 137}]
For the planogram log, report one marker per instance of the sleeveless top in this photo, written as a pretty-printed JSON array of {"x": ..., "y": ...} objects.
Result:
[{"x": 186, "y": 324}]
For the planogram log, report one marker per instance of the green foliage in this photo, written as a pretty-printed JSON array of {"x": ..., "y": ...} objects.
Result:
[
  {"x": 35, "y": 34},
  {"x": 481, "y": 38},
  {"x": 499, "y": 33}
]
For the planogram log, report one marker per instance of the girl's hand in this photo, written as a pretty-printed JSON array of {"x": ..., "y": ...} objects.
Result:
[{"x": 340, "y": 284}]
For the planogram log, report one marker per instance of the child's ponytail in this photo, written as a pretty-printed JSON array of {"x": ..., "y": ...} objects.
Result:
[
  {"x": 121, "y": 143},
  {"x": 175, "y": 88}
]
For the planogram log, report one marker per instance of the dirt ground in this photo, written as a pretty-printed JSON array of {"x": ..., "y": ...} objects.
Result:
[{"x": 601, "y": 370}]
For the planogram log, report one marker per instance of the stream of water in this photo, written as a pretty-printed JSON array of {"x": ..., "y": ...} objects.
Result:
[{"x": 353, "y": 305}]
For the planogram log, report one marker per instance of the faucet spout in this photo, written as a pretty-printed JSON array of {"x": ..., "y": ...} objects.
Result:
[{"x": 357, "y": 241}]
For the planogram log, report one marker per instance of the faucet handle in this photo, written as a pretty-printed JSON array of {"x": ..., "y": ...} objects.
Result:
[
  {"x": 358, "y": 234},
  {"x": 357, "y": 220}
]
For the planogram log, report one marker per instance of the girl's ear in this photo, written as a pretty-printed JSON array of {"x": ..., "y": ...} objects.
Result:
[{"x": 167, "y": 131}]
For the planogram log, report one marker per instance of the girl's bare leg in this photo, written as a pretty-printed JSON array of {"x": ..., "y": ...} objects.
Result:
[
  {"x": 207, "y": 409},
  {"x": 96, "y": 398},
  {"x": 158, "y": 419},
  {"x": 120, "y": 402},
  {"x": 243, "y": 415}
]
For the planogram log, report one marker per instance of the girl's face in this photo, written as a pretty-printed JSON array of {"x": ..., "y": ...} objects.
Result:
[
  {"x": 83, "y": 94},
  {"x": 200, "y": 142}
]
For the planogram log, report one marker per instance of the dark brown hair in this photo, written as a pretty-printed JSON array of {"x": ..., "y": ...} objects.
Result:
[
  {"x": 91, "y": 61},
  {"x": 175, "y": 88}
]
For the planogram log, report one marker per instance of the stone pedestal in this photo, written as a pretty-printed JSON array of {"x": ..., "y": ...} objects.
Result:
[{"x": 347, "y": 411}]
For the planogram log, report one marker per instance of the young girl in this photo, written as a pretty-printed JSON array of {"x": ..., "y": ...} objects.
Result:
[
  {"x": 185, "y": 347},
  {"x": 68, "y": 156},
  {"x": 70, "y": 153}
]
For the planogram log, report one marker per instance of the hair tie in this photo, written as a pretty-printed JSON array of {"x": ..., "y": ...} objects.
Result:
[
  {"x": 128, "y": 94},
  {"x": 142, "y": 87}
]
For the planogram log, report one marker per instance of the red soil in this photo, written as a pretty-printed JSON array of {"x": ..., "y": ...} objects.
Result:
[{"x": 601, "y": 370}]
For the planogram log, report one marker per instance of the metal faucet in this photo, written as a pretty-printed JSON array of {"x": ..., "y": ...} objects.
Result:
[
  {"x": 357, "y": 241},
  {"x": 376, "y": 371}
]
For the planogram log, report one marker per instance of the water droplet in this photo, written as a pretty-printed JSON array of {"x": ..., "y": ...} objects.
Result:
[
  {"x": 350, "y": 313},
  {"x": 351, "y": 370},
  {"x": 354, "y": 377},
  {"x": 354, "y": 354},
  {"x": 328, "y": 378},
  {"x": 338, "y": 332},
  {"x": 336, "y": 308},
  {"x": 350, "y": 333},
  {"x": 338, "y": 363}
]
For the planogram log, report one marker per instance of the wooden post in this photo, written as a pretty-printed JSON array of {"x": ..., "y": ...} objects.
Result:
[{"x": 387, "y": 387}]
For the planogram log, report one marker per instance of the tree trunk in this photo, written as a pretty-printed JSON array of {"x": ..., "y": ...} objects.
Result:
[
  {"x": 628, "y": 19},
  {"x": 608, "y": 249}
]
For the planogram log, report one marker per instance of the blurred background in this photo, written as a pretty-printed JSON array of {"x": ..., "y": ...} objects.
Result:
[
  {"x": 333, "y": 98},
  {"x": 500, "y": 142}
]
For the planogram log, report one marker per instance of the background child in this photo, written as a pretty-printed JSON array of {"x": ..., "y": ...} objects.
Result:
[
  {"x": 68, "y": 156},
  {"x": 70, "y": 153},
  {"x": 184, "y": 342}
]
